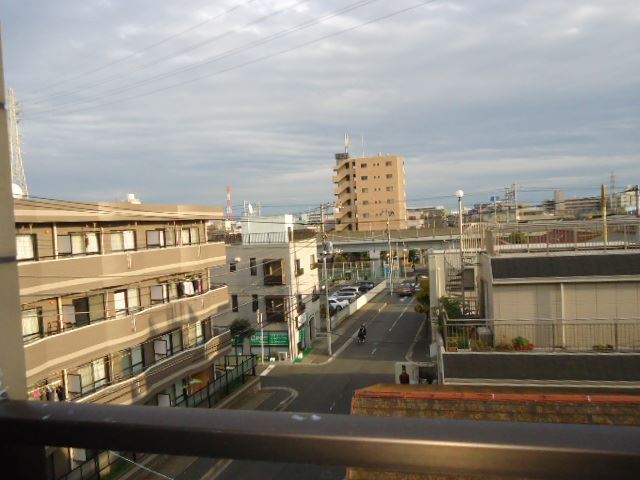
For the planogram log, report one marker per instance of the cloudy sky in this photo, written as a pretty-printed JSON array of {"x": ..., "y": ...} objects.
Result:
[{"x": 175, "y": 100}]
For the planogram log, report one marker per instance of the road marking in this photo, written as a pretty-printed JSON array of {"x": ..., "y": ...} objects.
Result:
[
  {"x": 374, "y": 351},
  {"x": 401, "y": 314},
  {"x": 267, "y": 370}
]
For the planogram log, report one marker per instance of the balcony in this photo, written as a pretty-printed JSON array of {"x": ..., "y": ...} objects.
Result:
[
  {"x": 80, "y": 345},
  {"x": 162, "y": 373},
  {"x": 64, "y": 276}
]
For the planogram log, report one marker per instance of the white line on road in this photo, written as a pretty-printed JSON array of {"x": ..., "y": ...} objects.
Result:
[
  {"x": 401, "y": 314},
  {"x": 373, "y": 351},
  {"x": 267, "y": 370}
]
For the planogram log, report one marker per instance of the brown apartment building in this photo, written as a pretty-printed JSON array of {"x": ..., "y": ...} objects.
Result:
[
  {"x": 119, "y": 304},
  {"x": 368, "y": 190}
]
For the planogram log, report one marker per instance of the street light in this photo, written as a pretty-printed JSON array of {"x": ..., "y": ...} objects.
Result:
[{"x": 460, "y": 194}]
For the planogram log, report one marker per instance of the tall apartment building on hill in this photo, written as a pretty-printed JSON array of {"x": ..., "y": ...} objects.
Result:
[{"x": 370, "y": 191}]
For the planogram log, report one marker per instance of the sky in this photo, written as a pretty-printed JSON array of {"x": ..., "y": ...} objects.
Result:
[{"x": 174, "y": 101}]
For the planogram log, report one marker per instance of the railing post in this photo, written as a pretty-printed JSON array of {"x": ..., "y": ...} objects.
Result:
[{"x": 615, "y": 334}]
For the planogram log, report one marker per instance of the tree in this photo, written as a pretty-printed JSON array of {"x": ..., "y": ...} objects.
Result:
[
  {"x": 452, "y": 307},
  {"x": 518, "y": 238},
  {"x": 241, "y": 328},
  {"x": 423, "y": 298}
]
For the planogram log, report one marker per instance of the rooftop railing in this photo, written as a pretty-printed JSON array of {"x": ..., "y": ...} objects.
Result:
[{"x": 450, "y": 447}]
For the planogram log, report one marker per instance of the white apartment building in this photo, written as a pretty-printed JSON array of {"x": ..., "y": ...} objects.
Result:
[{"x": 273, "y": 272}]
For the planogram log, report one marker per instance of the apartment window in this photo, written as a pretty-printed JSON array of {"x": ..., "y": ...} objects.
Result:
[
  {"x": 363, "y": 165},
  {"x": 365, "y": 202},
  {"x": 85, "y": 310},
  {"x": 189, "y": 288},
  {"x": 170, "y": 236},
  {"x": 388, "y": 163},
  {"x": 159, "y": 293},
  {"x": 168, "y": 344},
  {"x": 232, "y": 267},
  {"x": 253, "y": 267},
  {"x": 234, "y": 303},
  {"x": 190, "y": 235},
  {"x": 255, "y": 303},
  {"x": 365, "y": 215},
  {"x": 364, "y": 190},
  {"x": 364, "y": 177},
  {"x": 312, "y": 262},
  {"x": 26, "y": 247},
  {"x": 126, "y": 301},
  {"x": 389, "y": 189},
  {"x": 389, "y": 175},
  {"x": 132, "y": 362},
  {"x": 196, "y": 334},
  {"x": 89, "y": 377},
  {"x": 123, "y": 241},
  {"x": 78, "y": 243},
  {"x": 299, "y": 269},
  {"x": 32, "y": 327},
  {"x": 390, "y": 200},
  {"x": 155, "y": 238}
]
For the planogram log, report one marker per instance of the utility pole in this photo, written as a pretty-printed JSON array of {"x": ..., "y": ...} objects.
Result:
[
  {"x": 261, "y": 325},
  {"x": 324, "y": 279},
  {"x": 603, "y": 195},
  {"x": 637, "y": 189},
  {"x": 390, "y": 264},
  {"x": 460, "y": 194}
]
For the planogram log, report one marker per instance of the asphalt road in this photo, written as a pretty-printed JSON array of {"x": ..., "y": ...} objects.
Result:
[{"x": 327, "y": 387}]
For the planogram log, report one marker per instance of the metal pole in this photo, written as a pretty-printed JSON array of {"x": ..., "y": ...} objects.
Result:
[
  {"x": 389, "y": 259},
  {"x": 603, "y": 193},
  {"x": 326, "y": 285},
  {"x": 261, "y": 324},
  {"x": 637, "y": 201},
  {"x": 461, "y": 253}
]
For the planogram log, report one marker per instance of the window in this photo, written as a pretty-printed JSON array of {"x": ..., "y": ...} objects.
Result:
[
  {"x": 255, "y": 303},
  {"x": 78, "y": 243},
  {"x": 123, "y": 241},
  {"x": 365, "y": 190},
  {"x": 365, "y": 202},
  {"x": 190, "y": 235},
  {"x": 167, "y": 344},
  {"x": 232, "y": 267},
  {"x": 364, "y": 177},
  {"x": 365, "y": 215},
  {"x": 253, "y": 267},
  {"x": 390, "y": 200},
  {"x": 196, "y": 334},
  {"x": 234, "y": 303},
  {"x": 389, "y": 189},
  {"x": 170, "y": 236},
  {"x": 132, "y": 362},
  {"x": 299, "y": 269},
  {"x": 32, "y": 324},
  {"x": 155, "y": 238},
  {"x": 363, "y": 165},
  {"x": 126, "y": 301},
  {"x": 26, "y": 247},
  {"x": 388, "y": 163},
  {"x": 312, "y": 262},
  {"x": 89, "y": 377},
  {"x": 190, "y": 288},
  {"x": 159, "y": 293},
  {"x": 389, "y": 175}
]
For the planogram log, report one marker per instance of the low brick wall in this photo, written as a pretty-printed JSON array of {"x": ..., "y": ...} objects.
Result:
[{"x": 509, "y": 404}]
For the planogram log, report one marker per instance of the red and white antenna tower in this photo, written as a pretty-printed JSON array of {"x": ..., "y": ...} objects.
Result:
[{"x": 229, "y": 204}]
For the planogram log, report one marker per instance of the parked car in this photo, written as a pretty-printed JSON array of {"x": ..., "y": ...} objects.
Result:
[
  {"x": 405, "y": 289},
  {"x": 350, "y": 296},
  {"x": 367, "y": 285},
  {"x": 350, "y": 289},
  {"x": 338, "y": 304}
]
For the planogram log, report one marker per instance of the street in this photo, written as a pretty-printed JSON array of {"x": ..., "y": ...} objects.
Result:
[{"x": 327, "y": 387}]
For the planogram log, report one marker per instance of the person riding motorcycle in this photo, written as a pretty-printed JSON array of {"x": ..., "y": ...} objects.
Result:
[{"x": 362, "y": 333}]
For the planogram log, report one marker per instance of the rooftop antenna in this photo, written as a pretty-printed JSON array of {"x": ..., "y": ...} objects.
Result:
[
  {"x": 18, "y": 178},
  {"x": 346, "y": 143}
]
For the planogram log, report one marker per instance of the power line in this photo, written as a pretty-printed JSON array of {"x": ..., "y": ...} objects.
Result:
[{"x": 253, "y": 61}]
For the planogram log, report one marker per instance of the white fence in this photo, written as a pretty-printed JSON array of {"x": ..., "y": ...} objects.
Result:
[{"x": 353, "y": 307}]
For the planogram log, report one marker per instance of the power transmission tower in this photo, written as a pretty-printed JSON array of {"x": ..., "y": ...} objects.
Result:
[{"x": 15, "y": 143}]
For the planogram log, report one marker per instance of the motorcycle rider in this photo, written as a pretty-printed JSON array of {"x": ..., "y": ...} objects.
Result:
[{"x": 362, "y": 333}]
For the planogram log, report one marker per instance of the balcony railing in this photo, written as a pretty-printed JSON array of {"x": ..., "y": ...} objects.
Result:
[
  {"x": 392, "y": 444},
  {"x": 96, "y": 339},
  {"x": 583, "y": 335},
  {"x": 121, "y": 390},
  {"x": 267, "y": 238},
  {"x": 67, "y": 275}
]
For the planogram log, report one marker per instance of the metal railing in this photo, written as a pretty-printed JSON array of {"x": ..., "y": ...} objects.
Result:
[
  {"x": 592, "y": 335},
  {"x": 262, "y": 237},
  {"x": 427, "y": 446}
]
